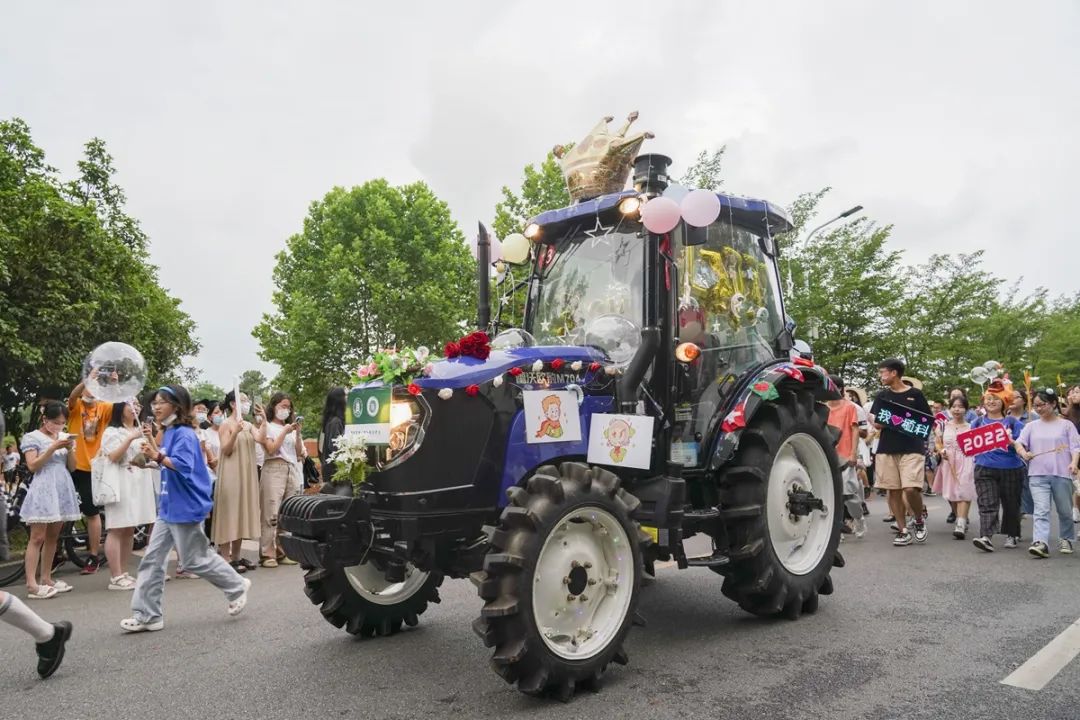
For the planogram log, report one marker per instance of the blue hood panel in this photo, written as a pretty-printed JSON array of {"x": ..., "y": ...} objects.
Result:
[{"x": 464, "y": 371}]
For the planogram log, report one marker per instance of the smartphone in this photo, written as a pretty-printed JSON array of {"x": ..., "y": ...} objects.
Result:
[{"x": 299, "y": 419}]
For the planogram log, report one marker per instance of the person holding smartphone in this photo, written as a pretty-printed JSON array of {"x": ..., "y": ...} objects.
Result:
[
  {"x": 51, "y": 499},
  {"x": 280, "y": 474}
]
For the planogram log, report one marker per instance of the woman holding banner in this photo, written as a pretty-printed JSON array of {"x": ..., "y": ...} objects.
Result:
[
  {"x": 1051, "y": 446},
  {"x": 999, "y": 475}
]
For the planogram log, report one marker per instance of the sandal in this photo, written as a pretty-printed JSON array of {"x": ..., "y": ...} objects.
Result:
[
  {"x": 61, "y": 586},
  {"x": 238, "y": 566},
  {"x": 43, "y": 592},
  {"x": 268, "y": 563},
  {"x": 248, "y": 565}
]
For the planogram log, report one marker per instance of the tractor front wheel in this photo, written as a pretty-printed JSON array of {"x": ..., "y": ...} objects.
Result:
[
  {"x": 561, "y": 581},
  {"x": 360, "y": 599}
]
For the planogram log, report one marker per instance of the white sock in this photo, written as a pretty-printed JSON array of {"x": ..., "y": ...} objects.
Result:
[{"x": 14, "y": 611}]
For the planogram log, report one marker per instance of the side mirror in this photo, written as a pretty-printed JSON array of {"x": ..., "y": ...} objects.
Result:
[{"x": 694, "y": 235}]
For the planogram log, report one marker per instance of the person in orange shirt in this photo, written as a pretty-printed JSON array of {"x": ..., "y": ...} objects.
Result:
[
  {"x": 87, "y": 420},
  {"x": 844, "y": 416}
]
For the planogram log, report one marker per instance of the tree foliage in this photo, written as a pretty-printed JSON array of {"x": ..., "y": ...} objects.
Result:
[
  {"x": 705, "y": 171},
  {"x": 73, "y": 274},
  {"x": 542, "y": 188},
  {"x": 375, "y": 266}
]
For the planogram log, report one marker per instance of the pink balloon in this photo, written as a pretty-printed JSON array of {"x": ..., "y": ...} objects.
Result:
[
  {"x": 700, "y": 208},
  {"x": 660, "y": 215}
]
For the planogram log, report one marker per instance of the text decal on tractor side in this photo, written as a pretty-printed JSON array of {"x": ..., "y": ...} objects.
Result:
[{"x": 666, "y": 321}]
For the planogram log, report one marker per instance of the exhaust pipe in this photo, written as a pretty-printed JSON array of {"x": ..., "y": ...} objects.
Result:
[
  {"x": 626, "y": 390},
  {"x": 483, "y": 279}
]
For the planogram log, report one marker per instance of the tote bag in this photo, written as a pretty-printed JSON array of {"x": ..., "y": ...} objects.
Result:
[{"x": 104, "y": 480}]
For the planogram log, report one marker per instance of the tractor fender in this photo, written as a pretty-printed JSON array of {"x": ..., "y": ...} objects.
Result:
[{"x": 765, "y": 387}]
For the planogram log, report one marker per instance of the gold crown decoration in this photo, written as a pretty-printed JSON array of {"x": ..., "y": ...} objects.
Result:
[{"x": 601, "y": 163}]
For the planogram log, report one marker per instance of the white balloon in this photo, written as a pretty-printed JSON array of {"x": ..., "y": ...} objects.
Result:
[
  {"x": 114, "y": 372},
  {"x": 515, "y": 249},
  {"x": 660, "y": 215},
  {"x": 700, "y": 208}
]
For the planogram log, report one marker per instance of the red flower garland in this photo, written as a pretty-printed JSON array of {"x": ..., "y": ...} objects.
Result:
[
  {"x": 515, "y": 371},
  {"x": 476, "y": 345},
  {"x": 472, "y": 390},
  {"x": 557, "y": 364},
  {"x": 414, "y": 389},
  {"x": 594, "y": 366}
]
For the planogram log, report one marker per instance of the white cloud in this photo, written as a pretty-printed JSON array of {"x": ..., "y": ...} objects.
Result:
[{"x": 953, "y": 122}]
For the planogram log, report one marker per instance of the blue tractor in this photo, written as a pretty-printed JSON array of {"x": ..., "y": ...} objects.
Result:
[{"x": 683, "y": 414}]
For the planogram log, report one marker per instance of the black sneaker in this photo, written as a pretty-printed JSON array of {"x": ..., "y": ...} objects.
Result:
[
  {"x": 1039, "y": 550},
  {"x": 51, "y": 652},
  {"x": 929, "y": 493},
  {"x": 889, "y": 518},
  {"x": 91, "y": 566},
  {"x": 984, "y": 544},
  {"x": 951, "y": 519}
]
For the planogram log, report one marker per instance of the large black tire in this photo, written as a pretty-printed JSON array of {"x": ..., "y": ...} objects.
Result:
[
  {"x": 756, "y": 578},
  {"x": 507, "y": 622},
  {"x": 343, "y": 606}
]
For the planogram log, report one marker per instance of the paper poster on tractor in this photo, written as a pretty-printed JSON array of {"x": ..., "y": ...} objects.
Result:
[
  {"x": 621, "y": 440},
  {"x": 368, "y": 414},
  {"x": 551, "y": 416}
]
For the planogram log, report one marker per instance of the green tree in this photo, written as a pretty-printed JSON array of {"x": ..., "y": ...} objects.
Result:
[
  {"x": 95, "y": 188},
  {"x": 255, "y": 385},
  {"x": 705, "y": 171},
  {"x": 68, "y": 284},
  {"x": 375, "y": 266},
  {"x": 206, "y": 390},
  {"x": 543, "y": 188}
]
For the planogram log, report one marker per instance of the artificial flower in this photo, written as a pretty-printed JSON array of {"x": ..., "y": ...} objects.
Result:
[
  {"x": 446, "y": 394},
  {"x": 557, "y": 364},
  {"x": 472, "y": 390}
]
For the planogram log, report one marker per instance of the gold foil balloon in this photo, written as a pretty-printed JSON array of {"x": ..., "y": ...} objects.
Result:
[{"x": 601, "y": 163}]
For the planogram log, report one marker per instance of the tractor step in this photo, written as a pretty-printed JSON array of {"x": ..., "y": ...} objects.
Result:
[{"x": 715, "y": 560}]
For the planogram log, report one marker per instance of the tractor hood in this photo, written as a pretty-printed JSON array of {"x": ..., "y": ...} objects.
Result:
[{"x": 464, "y": 371}]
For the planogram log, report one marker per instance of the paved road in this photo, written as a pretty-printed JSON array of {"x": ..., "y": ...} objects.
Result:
[{"x": 918, "y": 632}]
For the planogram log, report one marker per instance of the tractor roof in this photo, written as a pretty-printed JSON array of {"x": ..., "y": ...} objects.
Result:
[{"x": 759, "y": 216}]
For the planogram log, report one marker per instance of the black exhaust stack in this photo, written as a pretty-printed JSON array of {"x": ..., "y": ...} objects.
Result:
[
  {"x": 651, "y": 174},
  {"x": 483, "y": 279}
]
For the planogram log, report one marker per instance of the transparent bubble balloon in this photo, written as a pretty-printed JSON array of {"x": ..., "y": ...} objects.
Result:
[
  {"x": 114, "y": 372},
  {"x": 512, "y": 338},
  {"x": 617, "y": 336}
]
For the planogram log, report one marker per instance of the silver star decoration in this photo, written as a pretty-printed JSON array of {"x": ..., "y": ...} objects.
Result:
[
  {"x": 599, "y": 234},
  {"x": 717, "y": 328},
  {"x": 505, "y": 300},
  {"x": 545, "y": 326}
]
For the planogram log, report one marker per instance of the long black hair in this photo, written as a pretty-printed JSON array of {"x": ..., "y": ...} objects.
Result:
[
  {"x": 334, "y": 407},
  {"x": 117, "y": 419}
]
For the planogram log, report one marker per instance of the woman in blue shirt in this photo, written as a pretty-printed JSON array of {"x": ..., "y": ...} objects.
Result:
[
  {"x": 999, "y": 475},
  {"x": 185, "y": 503}
]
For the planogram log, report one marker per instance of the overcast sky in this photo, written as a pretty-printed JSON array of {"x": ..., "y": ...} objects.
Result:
[{"x": 955, "y": 121}]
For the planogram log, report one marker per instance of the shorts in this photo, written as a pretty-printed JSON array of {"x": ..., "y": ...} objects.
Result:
[
  {"x": 893, "y": 472},
  {"x": 81, "y": 478}
]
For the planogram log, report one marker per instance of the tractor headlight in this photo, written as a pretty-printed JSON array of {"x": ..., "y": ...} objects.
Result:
[{"x": 408, "y": 420}]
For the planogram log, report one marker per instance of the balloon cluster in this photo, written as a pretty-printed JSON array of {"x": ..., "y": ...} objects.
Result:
[{"x": 698, "y": 208}]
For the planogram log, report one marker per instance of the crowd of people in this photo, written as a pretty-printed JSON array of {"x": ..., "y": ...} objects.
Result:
[
  {"x": 203, "y": 475},
  {"x": 1035, "y": 472}
]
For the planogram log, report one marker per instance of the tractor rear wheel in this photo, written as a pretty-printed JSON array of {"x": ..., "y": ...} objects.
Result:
[
  {"x": 360, "y": 599},
  {"x": 782, "y": 496},
  {"x": 561, "y": 580}
]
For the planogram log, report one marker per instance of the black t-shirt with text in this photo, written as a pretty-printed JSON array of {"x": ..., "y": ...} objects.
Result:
[{"x": 894, "y": 443}]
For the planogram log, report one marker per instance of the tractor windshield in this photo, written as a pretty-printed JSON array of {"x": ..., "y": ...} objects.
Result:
[{"x": 585, "y": 276}]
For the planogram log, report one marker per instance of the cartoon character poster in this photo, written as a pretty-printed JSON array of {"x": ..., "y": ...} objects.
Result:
[
  {"x": 551, "y": 416},
  {"x": 621, "y": 440}
]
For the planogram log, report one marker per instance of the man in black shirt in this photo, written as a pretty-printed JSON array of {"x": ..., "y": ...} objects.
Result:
[{"x": 898, "y": 467}]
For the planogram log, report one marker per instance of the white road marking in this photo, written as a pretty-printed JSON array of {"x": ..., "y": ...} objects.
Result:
[{"x": 1048, "y": 662}]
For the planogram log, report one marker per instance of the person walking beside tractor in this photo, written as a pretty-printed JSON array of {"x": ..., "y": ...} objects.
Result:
[
  {"x": 900, "y": 460},
  {"x": 87, "y": 420},
  {"x": 552, "y": 424}
]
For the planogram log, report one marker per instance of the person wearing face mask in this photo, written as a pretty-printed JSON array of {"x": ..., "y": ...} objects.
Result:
[
  {"x": 87, "y": 420},
  {"x": 955, "y": 478},
  {"x": 185, "y": 503},
  {"x": 134, "y": 490},
  {"x": 208, "y": 436},
  {"x": 1051, "y": 447},
  {"x": 236, "y": 495},
  {"x": 51, "y": 499},
  {"x": 999, "y": 475},
  {"x": 280, "y": 477}
]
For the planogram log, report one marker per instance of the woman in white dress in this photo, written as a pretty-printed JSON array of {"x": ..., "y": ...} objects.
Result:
[
  {"x": 134, "y": 488},
  {"x": 50, "y": 500}
]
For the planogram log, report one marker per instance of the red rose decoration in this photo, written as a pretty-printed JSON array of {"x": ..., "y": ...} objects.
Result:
[
  {"x": 515, "y": 371},
  {"x": 472, "y": 390},
  {"x": 452, "y": 350},
  {"x": 736, "y": 419},
  {"x": 594, "y": 366},
  {"x": 414, "y": 389},
  {"x": 557, "y": 364},
  {"x": 476, "y": 345}
]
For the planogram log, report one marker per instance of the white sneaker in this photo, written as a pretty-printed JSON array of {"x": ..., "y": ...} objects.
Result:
[
  {"x": 121, "y": 582},
  {"x": 237, "y": 606},
  {"x": 1065, "y": 547},
  {"x": 860, "y": 527},
  {"x": 1010, "y": 542},
  {"x": 1076, "y": 515},
  {"x": 132, "y": 625}
]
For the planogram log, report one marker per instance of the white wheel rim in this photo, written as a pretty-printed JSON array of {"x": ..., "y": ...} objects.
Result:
[
  {"x": 800, "y": 541},
  {"x": 371, "y": 583},
  {"x": 583, "y": 583}
]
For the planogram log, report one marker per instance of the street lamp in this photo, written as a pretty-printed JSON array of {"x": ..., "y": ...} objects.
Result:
[{"x": 847, "y": 213}]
